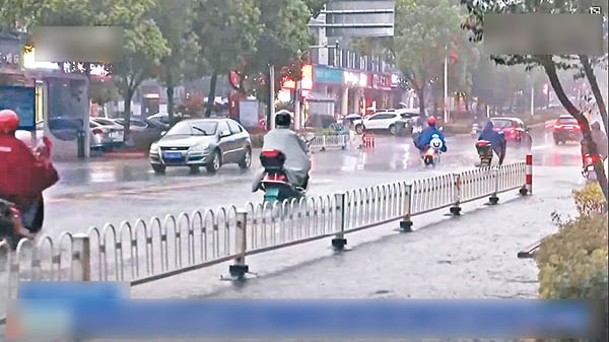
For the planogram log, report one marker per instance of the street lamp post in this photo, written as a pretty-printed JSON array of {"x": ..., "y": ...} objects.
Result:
[
  {"x": 446, "y": 118},
  {"x": 532, "y": 95}
]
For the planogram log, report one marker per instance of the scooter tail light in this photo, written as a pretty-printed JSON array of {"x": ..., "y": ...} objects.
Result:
[
  {"x": 270, "y": 153},
  {"x": 98, "y": 131}
]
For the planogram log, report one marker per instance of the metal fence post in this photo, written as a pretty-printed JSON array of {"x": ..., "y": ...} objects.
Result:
[
  {"x": 494, "y": 199},
  {"x": 527, "y": 188},
  {"x": 339, "y": 242},
  {"x": 456, "y": 209},
  {"x": 82, "y": 255},
  {"x": 239, "y": 269},
  {"x": 406, "y": 223},
  {"x": 343, "y": 141},
  {"x": 323, "y": 142}
]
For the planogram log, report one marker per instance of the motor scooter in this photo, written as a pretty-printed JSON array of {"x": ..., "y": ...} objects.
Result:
[
  {"x": 485, "y": 152},
  {"x": 431, "y": 155},
  {"x": 275, "y": 182},
  {"x": 11, "y": 229},
  {"x": 589, "y": 169}
]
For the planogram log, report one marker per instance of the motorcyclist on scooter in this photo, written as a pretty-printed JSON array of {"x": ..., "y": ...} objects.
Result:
[
  {"x": 600, "y": 140},
  {"x": 298, "y": 161},
  {"x": 24, "y": 173},
  {"x": 497, "y": 140},
  {"x": 424, "y": 138}
]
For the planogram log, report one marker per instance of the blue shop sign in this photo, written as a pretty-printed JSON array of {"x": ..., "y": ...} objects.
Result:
[{"x": 323, "y": 74}]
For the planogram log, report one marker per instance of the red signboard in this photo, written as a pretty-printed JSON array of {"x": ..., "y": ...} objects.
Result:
[
  {"x": 307, "y": 77},
  {"x": 381, "y": 81},
  {"x": 288, "y": 83}
]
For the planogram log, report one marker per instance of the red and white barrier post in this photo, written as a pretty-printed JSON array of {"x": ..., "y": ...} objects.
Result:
[{"x": 528, "y": 186}]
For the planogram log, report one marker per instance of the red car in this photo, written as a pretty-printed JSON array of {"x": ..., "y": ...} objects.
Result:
[
  {"x": 515, "y": 131},
  {"x": 566, "y": 128}
]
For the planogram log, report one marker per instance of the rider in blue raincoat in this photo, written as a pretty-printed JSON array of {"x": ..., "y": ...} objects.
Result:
[
  {"x": 497, "y": 140},
  {"x": 424, "y": 138}
]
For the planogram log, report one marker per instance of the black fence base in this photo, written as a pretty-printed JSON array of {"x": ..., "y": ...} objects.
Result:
[
  {"x": 455, "y": 211},
  {"x": 339, "y": 244},
  {"x": 238, "y": 271},
  {"x": 524, "y": 191},
  {"x": 406, "y": 226},
  {"x": 493, "y": 200}
]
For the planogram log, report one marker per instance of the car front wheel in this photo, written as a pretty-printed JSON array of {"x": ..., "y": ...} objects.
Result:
[
  {"x": 214, "y": 163},
  {"x": 359, "y": 129},
  {"x": 392, "y": 130},
  {"x": 158, "y": 169}
]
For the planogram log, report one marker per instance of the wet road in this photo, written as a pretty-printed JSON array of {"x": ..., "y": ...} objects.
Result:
[
  {"x": 109, "y": 191},
  {"x": 472, "y": 256}
]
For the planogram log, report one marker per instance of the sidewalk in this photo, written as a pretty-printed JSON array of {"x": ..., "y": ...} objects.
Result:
[{"x": 472, "y": 256}]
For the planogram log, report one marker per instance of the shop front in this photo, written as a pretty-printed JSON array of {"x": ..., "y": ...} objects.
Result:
[
  {"x": 355, "y": 85},
  {"x": 325, "y": 97},
  {"x": 378, "y": 93}
]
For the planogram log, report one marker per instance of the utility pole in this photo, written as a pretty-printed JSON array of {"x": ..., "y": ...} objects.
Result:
[
  {"x": 271, "y": 123},
  {"x": 446, "y": 84}
]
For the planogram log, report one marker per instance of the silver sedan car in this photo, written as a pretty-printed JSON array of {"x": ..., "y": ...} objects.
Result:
[{"x": 202, "y": 142}]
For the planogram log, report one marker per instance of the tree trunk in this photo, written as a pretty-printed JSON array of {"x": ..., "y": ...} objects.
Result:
[
  {"x": 595, "y": 90},
  {"x": 170, "y": 102},
  {"x": 212, "y": 94},
  {"x": 421, "y": 96},
  {"x": 550, "y": 69},
  {"x": 128, "y": 96}
]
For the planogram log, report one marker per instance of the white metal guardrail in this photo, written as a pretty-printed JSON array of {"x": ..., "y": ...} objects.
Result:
[
  {"x": 159, "y": 248},
  {"x": 324, "y": 142}
]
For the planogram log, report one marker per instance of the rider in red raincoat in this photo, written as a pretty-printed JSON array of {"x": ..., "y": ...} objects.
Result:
[{"x": 24, "y": 173}]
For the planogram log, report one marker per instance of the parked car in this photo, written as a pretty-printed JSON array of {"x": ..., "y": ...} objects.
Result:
[
  {"x": 409, "y": 119},
  {"x": 379, "y": 121},
  {"x": 135, "y": 124},
  {"x": 62, "y": 129},
  {"x": 566, "y": 129},
  {"x": 515, "y": 130},
  {"x": 111, "y": 133},
  {"x": 202, "y": 142}
]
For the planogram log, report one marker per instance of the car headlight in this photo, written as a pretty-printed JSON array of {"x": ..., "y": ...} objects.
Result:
[
  {"x": 154, "y": 148},
  {"x": 200, "y": 147}
]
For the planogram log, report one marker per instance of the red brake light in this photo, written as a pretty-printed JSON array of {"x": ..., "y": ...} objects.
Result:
[
  {"x": 557, "y": 126},
  {"x": 98, "y": 131},
  {"x": 270, "y": 153}
]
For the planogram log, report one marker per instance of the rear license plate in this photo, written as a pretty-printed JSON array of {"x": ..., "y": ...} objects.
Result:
[
  {"x": 172, "y": 155},
  {"x": 272, "y": 192}
]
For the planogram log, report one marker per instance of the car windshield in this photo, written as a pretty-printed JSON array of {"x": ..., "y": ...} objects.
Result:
[
  {"x": 104, "y": 122},
  {"x": 194, "y": 128},
  {"x": 502, "y": 123},
  {"x": 570, "y": 121}
]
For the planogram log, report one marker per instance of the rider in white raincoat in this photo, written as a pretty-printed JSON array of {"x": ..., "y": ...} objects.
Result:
[{"x": 282, "y": 138}]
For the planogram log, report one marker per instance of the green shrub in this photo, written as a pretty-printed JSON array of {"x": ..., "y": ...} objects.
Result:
[
  {"x": 326, "y": 131},
  {"x": 573, "y": 262},
  {"x": 457, "y": 128},
  {"x": 590, "y": 199}
]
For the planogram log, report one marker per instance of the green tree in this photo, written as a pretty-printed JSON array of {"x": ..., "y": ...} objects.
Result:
[
  {"x": 423, "y": 29},
  {"x": 227, "y": 32},
  {"x": 102, "y": 91},
  {"x": 143, "y": 48},
  {"x": 175, "y": 19},
  {"x": 551, "y": 64}
]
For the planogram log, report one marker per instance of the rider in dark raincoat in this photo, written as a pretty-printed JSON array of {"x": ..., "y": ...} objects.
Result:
[
  {"x": 424, "y": 138},
  {"x": 497, "y": 140}
]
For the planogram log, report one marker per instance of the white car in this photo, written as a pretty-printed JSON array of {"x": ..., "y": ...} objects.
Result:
[
  {"x": 111, "y": 133},
  {"x": 380, "y": 121}
]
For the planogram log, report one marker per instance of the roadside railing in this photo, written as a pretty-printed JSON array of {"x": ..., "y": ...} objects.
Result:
[
  {"x": 146, "y": 251},
  {"x": 324, "y": 142}
]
